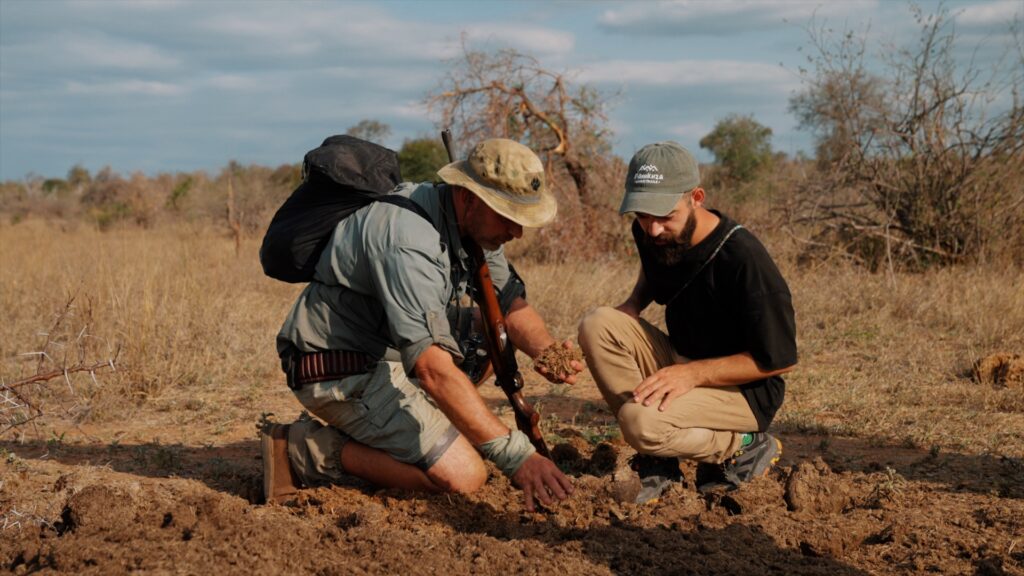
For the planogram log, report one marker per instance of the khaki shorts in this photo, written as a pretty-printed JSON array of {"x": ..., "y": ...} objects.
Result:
[{"x": 382, "y": 409}]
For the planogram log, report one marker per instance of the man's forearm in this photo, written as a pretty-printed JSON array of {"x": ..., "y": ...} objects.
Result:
[
  {"x": 457, "y": 397},
  {"x": 526, "y": 328},
  {"x": 731, "y": 370},
  {"x": 640, "y": 298}
]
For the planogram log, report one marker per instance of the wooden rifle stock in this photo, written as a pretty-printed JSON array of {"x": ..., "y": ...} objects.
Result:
[{"x": 502, "y": 353}]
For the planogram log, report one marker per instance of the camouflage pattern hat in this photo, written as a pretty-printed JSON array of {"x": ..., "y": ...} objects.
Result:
[
  {"x": 659, "y": 174},
  {"x": 509, "y": 178}
]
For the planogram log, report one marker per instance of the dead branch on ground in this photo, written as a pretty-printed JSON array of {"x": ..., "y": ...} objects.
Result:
[{"x": 25, "y": 399}]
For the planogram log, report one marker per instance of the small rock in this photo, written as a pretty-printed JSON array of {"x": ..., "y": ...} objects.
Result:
[{"x": 625, "y": 485}]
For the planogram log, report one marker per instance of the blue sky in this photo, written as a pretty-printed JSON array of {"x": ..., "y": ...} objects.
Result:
[{"x": 181, "y": 85}]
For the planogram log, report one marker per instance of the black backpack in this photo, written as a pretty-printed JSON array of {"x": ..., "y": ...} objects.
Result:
[{"x": 341, "y": 176}]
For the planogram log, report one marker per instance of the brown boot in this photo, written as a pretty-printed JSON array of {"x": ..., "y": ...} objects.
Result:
[{"x": 279, "y": 481}]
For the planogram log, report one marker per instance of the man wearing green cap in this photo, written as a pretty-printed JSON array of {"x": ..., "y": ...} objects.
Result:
[
  {"x": 707, "y": 390},
  {"x": 373, "y": 345}
]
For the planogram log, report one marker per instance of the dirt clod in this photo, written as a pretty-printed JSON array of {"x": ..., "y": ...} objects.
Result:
[
  {"x": 603, "y": 460},
  {"x": 1000, "y": 369},
  {"x": 98, "y": 506},
  {"x": 812, "y": 487},
  {"x": 568, "y": 457}
]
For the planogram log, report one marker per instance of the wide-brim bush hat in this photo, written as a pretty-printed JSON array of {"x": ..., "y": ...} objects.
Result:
[{"x": 509, "y": 178}]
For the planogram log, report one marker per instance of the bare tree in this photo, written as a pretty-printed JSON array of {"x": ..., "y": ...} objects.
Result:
[
  {"x": 922, "y": 162},
  {"x": 509, "y": 94}
]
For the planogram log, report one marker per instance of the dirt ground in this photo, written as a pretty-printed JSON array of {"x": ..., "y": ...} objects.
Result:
[{"x": 146, "y": 496}]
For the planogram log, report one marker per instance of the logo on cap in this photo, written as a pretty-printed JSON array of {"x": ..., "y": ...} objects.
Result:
[{"x": 648, "y": 174}]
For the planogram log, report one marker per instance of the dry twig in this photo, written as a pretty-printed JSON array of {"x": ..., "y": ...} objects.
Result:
[{"x": 20, "y": 401}]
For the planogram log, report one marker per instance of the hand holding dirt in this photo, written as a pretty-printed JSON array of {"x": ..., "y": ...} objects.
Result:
[{"x": 559, "y": 362}]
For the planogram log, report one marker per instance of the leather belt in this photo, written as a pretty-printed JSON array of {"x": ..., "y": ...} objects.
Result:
[{"x": 315, "y": 367}]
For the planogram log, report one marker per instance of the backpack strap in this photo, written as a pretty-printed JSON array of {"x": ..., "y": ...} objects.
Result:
[
  {"x": 704, "y": 265},
  {"x": 404, "y": 202},
  {"x": 408, "y": 204}
]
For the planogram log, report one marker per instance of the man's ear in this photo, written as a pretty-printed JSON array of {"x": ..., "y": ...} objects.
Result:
[
  {"x": 468, "y": 198},
  {"x": 461, "y": 197},
  {"x": 697, "y": 197}
]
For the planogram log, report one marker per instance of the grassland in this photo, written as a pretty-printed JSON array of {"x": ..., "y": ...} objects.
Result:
[
  {"x": 882, "y": 358},
  {"x": 896, "y": 461}
]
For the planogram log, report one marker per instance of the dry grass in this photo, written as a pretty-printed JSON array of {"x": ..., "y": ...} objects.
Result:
[
  {"x": 189, "y": 315},
  {"x": 885, "y": 359},
  {"x": 890, "y": 359}
]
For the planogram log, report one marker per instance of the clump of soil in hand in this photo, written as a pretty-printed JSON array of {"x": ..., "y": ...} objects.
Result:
[
  {"x": 557, "y": 360},
  {"x": 1000, "y": 369}
]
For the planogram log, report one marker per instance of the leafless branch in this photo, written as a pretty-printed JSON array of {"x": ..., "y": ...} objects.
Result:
[
  {"x": 509, "y": 94},
  {"x": 921, "y": 156},
  {"x": 23, "y": 400}
]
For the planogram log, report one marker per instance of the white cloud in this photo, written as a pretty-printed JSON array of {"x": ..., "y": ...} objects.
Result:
[
  {"x": 350, "y": 32},
  {"x": 690, "y": 130},
  {"x": 340, "y": 31},
  {"x": 135, "y": 5},
  {"x": 690, "y": 73},
  {"x": 411, "y": 110},
  {"x": 997, "y": 13},
  {"x": 532, "y": 39},
  {"x": 237, "y": 82},
  {"x": 127, "y": 87},
  {"x": 669, "y": 17},
  {"x": 392, "y": 78},
  {"x": 102, "y": 52}
]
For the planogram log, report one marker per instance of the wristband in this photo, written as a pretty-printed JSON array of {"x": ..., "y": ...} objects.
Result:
[{"x": 508, "y": 452}]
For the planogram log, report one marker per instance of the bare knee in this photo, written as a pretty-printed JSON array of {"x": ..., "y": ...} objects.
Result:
[
  {"x": 469, "y": 480},
  {"x": 460, "y": 470}
]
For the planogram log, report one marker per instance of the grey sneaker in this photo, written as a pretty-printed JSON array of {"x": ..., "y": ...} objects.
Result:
[
  {"x": 657, "y": 474},
  {"x": 749, "y": 462}
]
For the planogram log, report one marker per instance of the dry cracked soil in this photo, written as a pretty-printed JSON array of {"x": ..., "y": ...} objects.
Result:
[{"x": 832, "y": 506}]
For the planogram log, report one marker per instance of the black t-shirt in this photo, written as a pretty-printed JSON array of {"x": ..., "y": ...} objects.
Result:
[{"x": 738, "y": 302}]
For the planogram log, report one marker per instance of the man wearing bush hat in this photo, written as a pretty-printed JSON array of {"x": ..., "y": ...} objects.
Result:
[
  {"x": 709, "y": 388},
  {"x": 372, "y": 347}
]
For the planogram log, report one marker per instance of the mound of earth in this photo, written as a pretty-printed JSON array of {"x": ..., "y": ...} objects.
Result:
[
  {"x": 1000, "y": 369},
  {"x": 853, "y": 510}
]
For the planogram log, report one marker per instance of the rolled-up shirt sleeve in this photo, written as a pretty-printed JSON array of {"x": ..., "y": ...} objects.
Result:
[{"x": 413, "y": 287}]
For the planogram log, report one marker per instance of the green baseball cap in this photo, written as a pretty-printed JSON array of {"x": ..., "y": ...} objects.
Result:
[{"x": 658, "y": 175}]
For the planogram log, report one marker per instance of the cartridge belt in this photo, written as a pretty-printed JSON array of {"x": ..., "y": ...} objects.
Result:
[{"x": 313, "y": 367}]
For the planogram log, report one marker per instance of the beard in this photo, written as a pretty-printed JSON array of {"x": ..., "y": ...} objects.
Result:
[{"x": 672, "y": 252}]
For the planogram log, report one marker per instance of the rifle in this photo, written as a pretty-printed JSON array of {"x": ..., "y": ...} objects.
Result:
[{"x": 503, "y": 354}]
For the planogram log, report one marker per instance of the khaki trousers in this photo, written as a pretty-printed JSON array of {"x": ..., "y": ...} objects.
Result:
[{"x": 705, "y": 424}]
